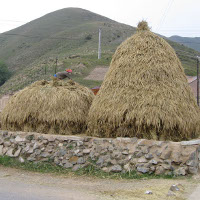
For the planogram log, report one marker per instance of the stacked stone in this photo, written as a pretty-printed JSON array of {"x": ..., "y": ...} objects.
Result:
[{"x": 110, "y": 155}]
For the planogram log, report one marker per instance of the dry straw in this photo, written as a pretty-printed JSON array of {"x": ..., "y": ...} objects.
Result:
[
  {"x": 55, "y": 107},
  {"x": 145, "y": 93}
]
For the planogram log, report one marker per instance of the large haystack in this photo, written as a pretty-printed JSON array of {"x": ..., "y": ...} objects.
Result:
[
  {"x": 145, "y": 93},
  {"x": 56, "y": 107}
]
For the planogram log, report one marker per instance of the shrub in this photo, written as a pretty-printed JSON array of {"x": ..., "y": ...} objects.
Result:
[{"x": 4, "y": 73}]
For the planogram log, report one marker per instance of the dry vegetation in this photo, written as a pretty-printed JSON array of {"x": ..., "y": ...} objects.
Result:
[
  {"x": 145, "y": 93},
  {"x": 56, "y": 107}
]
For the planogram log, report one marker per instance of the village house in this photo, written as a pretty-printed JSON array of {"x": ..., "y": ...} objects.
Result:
[{"x": 192, "y": 80}]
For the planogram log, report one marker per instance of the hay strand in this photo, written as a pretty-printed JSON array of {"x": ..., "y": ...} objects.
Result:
[{"x": 143, "y": 26}]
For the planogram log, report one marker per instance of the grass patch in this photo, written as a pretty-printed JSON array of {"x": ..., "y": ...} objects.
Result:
[
  {"x": 87, "y": 83},
  {"x": 93, "y": 171},
  {"x": 90, "y": 170},
  {"x": 37, "y": 72},
  {"x": 43, "y": 167}
]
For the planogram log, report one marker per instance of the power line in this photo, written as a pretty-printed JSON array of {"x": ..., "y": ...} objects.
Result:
[
  {"x": 99, "y": 47},
  {"x": 38, "y": 36},
  {"x": 15, "y": 21},
  {"x": 164, "y": 14},
  {"x": 10, "y": 25},
  {"x": 180, "y": 30}
]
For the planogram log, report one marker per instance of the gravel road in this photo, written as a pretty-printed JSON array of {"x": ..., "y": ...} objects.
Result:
[{"x": 18, "y": 184}]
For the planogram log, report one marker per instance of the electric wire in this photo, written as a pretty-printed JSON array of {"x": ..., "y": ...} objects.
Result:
[
  {"x": 14, "y": 21},
  {"x": 164, "y": 15},
  {"x": 38, "y": 36}
]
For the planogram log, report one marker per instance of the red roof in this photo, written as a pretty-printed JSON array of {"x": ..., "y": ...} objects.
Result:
[{"x": 191, "y": 78}]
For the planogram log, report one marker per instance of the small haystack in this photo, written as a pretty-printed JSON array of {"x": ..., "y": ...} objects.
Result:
[
  {"x": 145, "y": 93},
  {"x": 55, "y": 107}
]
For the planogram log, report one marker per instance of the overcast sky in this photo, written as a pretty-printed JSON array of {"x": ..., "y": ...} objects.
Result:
[{"x": 166, "y": 17}]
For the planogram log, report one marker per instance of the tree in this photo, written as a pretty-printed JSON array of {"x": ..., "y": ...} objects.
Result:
[{"x": 4, "y": 73}]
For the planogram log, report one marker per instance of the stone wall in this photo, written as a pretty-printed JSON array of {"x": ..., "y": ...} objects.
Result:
[{"x": 111, "y": 155}]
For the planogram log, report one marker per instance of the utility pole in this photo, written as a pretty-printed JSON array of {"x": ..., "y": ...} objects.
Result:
[
  {"x": 198, "y": 58},
  {"x": 99, "y": 49},
  {"x": 56, "y": 65},
  {"x": 45, "y": 69}
]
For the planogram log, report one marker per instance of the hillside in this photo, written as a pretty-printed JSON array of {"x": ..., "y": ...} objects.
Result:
[
  {"x": 70, "y": 34},
  {"x": 63, "y": 31},
  {"x": 192, "y": 42}
]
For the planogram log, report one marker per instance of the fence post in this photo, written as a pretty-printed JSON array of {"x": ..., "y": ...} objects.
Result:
[{"x": 197, "y": 80}]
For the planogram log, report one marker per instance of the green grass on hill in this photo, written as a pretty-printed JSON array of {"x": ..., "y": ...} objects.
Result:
[
  {"x": 30, "y": 75},
  {"x": 187, "y": 57},
  {"x": 37, "y": 72},
  {"x": 191, "y": 42}
]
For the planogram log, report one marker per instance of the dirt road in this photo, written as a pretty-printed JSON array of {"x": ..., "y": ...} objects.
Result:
[
  {"x": 22, "y": 185},
  {"x": 97, "y": 74},
  {"x": 195, "y": 194}
]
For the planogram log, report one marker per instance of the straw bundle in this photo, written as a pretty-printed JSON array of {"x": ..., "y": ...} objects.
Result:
[
  {"x": 55, "y": 107},
  {"x": 145, "y": 93}
]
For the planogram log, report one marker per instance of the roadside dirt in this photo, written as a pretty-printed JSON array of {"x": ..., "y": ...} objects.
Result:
[
  {"x": 62, "y": 187},
  {"x": 97, "y": 74}
]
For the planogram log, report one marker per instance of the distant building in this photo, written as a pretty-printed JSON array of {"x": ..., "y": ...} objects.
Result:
[
  {"x": 192, "y": 80},
  {"x": 95, "y": 89}
]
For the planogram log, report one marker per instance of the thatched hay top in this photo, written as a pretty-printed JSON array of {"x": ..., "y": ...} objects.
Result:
[
  {"x": 145, "y": 93},
  {"x": 49, "y": 107},
  {"x": 143, "y": 26}
]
